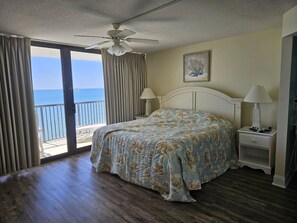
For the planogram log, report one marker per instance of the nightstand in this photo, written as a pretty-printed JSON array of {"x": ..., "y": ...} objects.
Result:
[
  {"x": 141, "y": 116},
  {"x": 257, "y": 150}
]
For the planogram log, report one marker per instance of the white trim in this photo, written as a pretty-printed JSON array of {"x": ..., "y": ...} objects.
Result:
[
  {"x": 279, "y": 181},
  {"x": 205, "y": 99}
]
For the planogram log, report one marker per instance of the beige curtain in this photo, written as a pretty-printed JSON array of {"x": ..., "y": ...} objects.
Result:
[
  {"x": 124, "y": 81},
  {"x": 18, "y": 130}
]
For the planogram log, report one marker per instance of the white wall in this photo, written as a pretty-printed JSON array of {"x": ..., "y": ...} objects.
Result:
[{"x": 237, "y": 63}]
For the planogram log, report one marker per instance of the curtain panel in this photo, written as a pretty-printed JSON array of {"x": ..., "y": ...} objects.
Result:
[
  {"x": 124, "y": 81},
  {"x": 18, "y": 131}
]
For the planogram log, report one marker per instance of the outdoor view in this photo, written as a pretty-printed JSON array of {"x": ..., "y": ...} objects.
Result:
[{"x": 88, "y": 95}]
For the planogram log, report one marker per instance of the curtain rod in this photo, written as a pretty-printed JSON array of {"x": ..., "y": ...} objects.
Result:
[
  {"x": 70, "y": 45},
  {"x": 40, "y": 40},
  {"x": 11, "y": 35},
  {"x": 47, "y": 41},
  {"x": 54, "y": 42}
]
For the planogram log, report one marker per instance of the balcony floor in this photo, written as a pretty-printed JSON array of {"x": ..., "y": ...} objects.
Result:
[{"x": 59, "y": 146}]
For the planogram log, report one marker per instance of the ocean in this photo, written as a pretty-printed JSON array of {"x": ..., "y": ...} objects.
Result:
[
  {"x": 50, "y": 110},
  {"x": 55, "y": 96}
]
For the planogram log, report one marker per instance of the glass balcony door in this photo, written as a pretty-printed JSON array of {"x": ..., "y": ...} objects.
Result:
[
  {"x": 88, "y": 94},
  {"x": 49, "y": 101},
  {"x": 69, "y": 98}
]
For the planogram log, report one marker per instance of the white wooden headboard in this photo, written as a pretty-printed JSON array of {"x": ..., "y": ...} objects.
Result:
[{"x": 204, "y": 99}]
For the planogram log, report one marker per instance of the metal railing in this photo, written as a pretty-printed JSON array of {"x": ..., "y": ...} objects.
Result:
[{"x": 51, "y": 118}]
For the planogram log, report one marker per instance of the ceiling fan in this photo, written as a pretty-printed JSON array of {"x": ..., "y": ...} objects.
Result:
[{"x": 119, "y": 37}]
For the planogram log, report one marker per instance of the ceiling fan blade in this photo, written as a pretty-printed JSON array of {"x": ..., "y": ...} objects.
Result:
[
  {"x": 125, "y": 33},
  {"x": 128, "y": 48},
  {"x": 138, "y": 40},
  {"x": 104, "y": 37},
  {"x": 95, "y": 45}
]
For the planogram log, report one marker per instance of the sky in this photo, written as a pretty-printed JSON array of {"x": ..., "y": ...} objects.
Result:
[{"x": 46, "y": 73}]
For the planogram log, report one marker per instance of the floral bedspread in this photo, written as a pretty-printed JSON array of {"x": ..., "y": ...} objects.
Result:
[{"x": 172, "y": 151}]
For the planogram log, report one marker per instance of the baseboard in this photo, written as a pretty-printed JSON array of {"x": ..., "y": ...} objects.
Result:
[
  {"x": 282, "y": 181},
  {"x": 279, "y": 181}
]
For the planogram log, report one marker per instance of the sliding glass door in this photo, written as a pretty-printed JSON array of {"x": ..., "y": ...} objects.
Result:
[
  {"x": 88, "y": 93},
  {"x": 49, "y": 101},
  {"x": 69, "y": 98}
]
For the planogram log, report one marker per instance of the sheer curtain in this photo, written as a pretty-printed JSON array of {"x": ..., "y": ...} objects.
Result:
[
  {"x": 18, "y": 130},
  {"x": 124, "y": 81}
]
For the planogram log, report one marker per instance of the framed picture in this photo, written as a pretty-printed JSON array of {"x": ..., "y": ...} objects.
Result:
[{"x": 197, "y": 66}]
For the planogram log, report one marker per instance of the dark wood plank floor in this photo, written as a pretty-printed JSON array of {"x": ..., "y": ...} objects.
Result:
[{"x": 70, "y": 190}]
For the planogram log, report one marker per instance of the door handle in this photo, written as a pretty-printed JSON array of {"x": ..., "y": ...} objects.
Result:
[{"x": 73, "y": 108}]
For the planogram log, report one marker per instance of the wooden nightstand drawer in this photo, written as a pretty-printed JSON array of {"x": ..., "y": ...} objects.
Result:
[{"x": 260, "y": 141}]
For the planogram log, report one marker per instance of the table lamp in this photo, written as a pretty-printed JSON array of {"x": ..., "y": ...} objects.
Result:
[
  {"x": 257, "y": 95},
  {"x": 147, "y": 94}
]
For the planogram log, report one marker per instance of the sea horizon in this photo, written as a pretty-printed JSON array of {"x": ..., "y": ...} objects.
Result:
[{"x": 55, "y": 96}]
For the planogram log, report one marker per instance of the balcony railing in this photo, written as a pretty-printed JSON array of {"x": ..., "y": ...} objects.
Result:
[{"x": 51, "y": 118}]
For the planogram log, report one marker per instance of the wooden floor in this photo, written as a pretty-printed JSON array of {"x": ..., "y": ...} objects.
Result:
[{"x": 70, "y": 190}]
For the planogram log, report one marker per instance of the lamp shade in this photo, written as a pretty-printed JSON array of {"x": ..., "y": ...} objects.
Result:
[
  {"x": 257, "y": 94},
  {"x": 147, "y": 94}
]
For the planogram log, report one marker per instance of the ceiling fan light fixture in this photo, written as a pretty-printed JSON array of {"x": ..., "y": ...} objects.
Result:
[{"x": 117, "y": 50}]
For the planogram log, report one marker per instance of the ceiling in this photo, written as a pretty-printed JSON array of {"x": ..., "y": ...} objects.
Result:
[{"x": 183, "y": 23}]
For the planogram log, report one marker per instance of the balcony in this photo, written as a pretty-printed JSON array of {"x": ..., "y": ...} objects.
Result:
[{"x": 52, "y": 128}]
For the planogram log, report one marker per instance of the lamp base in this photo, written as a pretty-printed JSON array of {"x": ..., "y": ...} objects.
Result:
[
  {"x": 148, "y": 109},
  {"x": 257, "y": 116}
]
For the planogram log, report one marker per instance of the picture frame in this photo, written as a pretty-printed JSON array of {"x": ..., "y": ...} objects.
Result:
[{"x": 197, "y": 66}]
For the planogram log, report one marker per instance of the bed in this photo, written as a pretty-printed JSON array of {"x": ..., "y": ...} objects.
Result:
[{"x": 187, "y": 142}]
